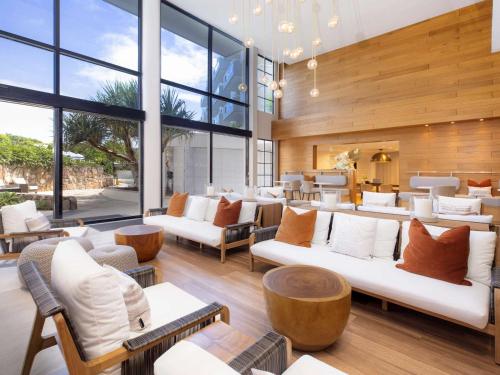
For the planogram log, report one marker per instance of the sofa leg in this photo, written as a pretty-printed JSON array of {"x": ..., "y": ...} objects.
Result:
[
  {"x": 223, "y": 254},
  {"x": 201, "y": 247},
  {"x": 252, "y": 263},
  {"x": 36, "y": 343},
  {"x": 385, "y": 305}
]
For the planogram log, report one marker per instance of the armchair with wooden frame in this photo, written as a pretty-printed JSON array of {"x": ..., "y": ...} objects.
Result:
[
  {"x": 137, "y": 355},
  {"x": 232, "y": 236},
  {"x": 11, "y": 244}
]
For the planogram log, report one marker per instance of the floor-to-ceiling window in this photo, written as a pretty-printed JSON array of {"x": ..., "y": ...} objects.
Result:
[
  {"x": 204, "y": 106},
  {"x": 264, "y": 162},
  {"x": 70, "y": 99},
  {"x": 265, "y": 73}
]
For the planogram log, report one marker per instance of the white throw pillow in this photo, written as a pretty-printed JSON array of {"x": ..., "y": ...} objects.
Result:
[
  {"x": 386, "y": 238},
  {"x": 322, "y": 226},
  {"x": 353, "y": 235},
  {"x": 139, "y": 312},
  {"x": 197, "y": 208},
  {"x": 483, "y": 192},
  {"x": 459, "y": 206},
  {"x": 247, "y": 213},
  {"x": 92, "y": 298},
  {"x": 272, "y": 192},
  {"x": 379, "y": 199},
  {"x": 211, "y": 210},
  {"x": 481, "y": 251},
  {"x": 14, "y": 216},
  {"x": 261, "y": 372},
  {"x": 38, "y": 223}
]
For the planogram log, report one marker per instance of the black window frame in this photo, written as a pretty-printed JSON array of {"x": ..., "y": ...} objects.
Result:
[
  {"x": 209, "y": 127},
  {"x": 60, "y": 103},
  {"x": 260, "y": 84},
  {"x": 264, "y": 163}
]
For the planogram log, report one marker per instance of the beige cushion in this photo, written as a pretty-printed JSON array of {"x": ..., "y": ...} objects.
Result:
[
  {"x": 379, "y": 199},
  {"x": 38, "y": 223},
  {"x": 480, "y": 191},
  {"x": 139, "y": 313},
  {"x": 93, "y": 300},
  {"x": 353, "y": 235},
  {"x": 459, "y": 206},
  {"x": 14, "y": 216},
  {"x": 197, "y": 208}
]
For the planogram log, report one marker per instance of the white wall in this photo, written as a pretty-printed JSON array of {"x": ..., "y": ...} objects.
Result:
[{"x": 495, "y": 32}]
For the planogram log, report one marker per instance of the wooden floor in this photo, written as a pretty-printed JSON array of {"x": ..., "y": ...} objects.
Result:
[{"x": 399, "y": 341}]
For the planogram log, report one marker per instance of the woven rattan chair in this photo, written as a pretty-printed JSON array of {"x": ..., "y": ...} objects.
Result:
[
  {"x": 11, "y": 244},
  {"x": 137, "y": 355}
]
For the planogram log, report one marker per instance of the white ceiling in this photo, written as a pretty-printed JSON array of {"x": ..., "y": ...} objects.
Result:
[{"x": 359, "y": 19}]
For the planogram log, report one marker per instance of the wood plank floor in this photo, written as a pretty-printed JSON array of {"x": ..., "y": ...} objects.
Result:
[{"x": 399, "y": 341}]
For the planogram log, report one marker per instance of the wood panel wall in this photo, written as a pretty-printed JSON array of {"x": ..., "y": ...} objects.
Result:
[
  {"x": 438, "y": 70},
  {"x": 465, "y": 146}
]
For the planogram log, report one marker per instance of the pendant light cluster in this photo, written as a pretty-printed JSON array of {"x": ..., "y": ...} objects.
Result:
[{"x": 285, "y": 33}]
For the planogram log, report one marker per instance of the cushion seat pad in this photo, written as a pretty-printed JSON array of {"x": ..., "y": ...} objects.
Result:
[
  {"x": 198, "y": 231},
  {"x": 466, "y": 304}
]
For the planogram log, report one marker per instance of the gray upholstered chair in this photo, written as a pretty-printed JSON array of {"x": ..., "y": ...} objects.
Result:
[
  {"x": 445, "y": 191},
  {"x": 307, "y": 188}
]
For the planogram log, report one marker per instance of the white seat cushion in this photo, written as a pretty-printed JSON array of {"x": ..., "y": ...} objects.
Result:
[
  {"x": 385, "y": 210},
  {"x": 467, "y": 304},
  {"x": 459, "y": 206},
  {"x": 321, "y": 227},
  {"x": 92, "y": 298},
  {"x": 197, "y": 208},
  {"x": 198, "y": 231},
  {"x": 379, "y": 199},
  {"x": 14, "y": 216},
  {"x": 481, "y": 251},
  {"x": 187, "y": 358},
  {"x": 76, "y": 231},
  {"x": 307, "y": 365},
  {"x": 486, "y": 219}
]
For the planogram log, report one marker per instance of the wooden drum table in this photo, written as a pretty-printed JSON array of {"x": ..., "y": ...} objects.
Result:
[
  {"x": 309, "y": 305},
  {"x": 146, "y": 240}
]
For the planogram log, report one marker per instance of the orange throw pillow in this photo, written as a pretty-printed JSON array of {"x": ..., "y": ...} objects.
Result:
[
  {"x": 484, "y": 183},
  {"x": 297, "y": 229},
  {"x": 444, "y": 258},
  {"x": 176, "y": 204},
  {"x": 227, "y": 213}
]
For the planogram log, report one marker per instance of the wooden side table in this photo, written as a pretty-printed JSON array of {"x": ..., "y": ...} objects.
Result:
[
  {"x": 310, "y": 305},
  {"x": 146, "y": 240}
]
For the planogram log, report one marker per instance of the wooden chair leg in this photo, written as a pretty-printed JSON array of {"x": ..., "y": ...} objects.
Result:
[
  {"x": 252, "y": 263},
  {"x": 36, "y": 344}
]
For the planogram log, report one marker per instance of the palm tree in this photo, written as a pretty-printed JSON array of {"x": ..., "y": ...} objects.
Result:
[{"x": 118, "y": 139}]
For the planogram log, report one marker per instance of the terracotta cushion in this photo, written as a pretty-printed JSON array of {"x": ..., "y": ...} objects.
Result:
[
  {"x": 177, "y": 204},
  {"x": 227, "y": 213},
  {"x": 444, "y": 258},
  {"x": 484, "y": 183},
  {"x": 297, "y": 229}
]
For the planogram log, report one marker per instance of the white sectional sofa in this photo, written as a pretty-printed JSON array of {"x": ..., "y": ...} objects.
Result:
[
  {"x": 376, "y": 274},
  {"x": 196, "y": 224}
]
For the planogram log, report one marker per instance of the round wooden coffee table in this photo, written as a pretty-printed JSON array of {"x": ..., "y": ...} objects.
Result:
[
  {"x": 146, "y": 240},
  {"x": 309, "y": 305}
]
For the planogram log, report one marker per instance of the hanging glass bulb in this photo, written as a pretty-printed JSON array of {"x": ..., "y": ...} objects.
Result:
[
  {"x": 290, "y": 27},
  {"x": 269, "y": 1},
  {"x": 264, "y": 79},
  {"x": 283, "y": 83},
  {"x": 312, "y": 64},
  {"x": 278, "y": 94},
  {"x": 257, "y": 10},
  {"x": 249, "y": 42},
  {"x": 233, "y": 18},
  {"x": 283, "y": 26},
  {"x": 273, "y": 85},
  {"x": 286, "y": 52},
  {"x": 333, "y": 21},
  {"x": 294, "y": 54},
  {"x": 300, "y": 50},
  {"x": 316, "y": 42},
  {"x": 242, "y": 87},
  {"x": 314, "y": 92}
]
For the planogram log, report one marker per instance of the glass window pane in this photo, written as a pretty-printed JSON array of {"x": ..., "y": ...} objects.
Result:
[
  {"x": 269, "y": 146},
  {"x": 261, "y": 91},
  {"x": 25, "y": 66},
  {"x": 185, "y": 155},
  {"x": 268, "y": 169},
  {"x": 260, "y": 181},
  {"x": 184, "y": 104},
  {"x": 184, "y": 49},
  {"x": 101, "y": 166},
  {"x": 260, "y": 104},
  {"x": 106, "y": 30},
  {"x": 269, "y": 106},
  {"x": 260, "y": 63},
  {"x": 260, "y": 157},
  {"x": 269, "y": 94},
  {"x": 27, "y": 154},
  {"x": 229, "y": 154},
  {"x": 268, "y": 181},
  {"x": 260, "y": 169},
  {"x": 260, "y": 145},
  {"x": 84, "y": 80},
  {"x": 228, "y": 114},
  {"x": 30, "y": 18},
  {"x": 228, "y": 68},
  {"x": 269, "y": 67}
]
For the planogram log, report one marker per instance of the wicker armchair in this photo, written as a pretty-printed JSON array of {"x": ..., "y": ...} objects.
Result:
[
  {"x": 11, "y": 244},
  {"x": 137, "y": 355}
]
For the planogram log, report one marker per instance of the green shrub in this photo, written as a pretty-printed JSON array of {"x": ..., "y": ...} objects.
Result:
[{"x": 8, "y": 198}]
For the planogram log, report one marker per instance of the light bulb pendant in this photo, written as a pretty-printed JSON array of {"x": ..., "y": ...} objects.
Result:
[
  {"x": 249, "y": 42},
  {"x": 282, "y": 83},
  {"x": 314, "y": 92},
  {"x": 233, "y": 19},
  {"x": 312, "y": 64},
  {"x": 278, "y": 94},
  {"x": 242, "y": 87},
  {"x": 273, "y": 85}
]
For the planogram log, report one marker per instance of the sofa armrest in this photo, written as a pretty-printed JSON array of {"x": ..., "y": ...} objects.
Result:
[
  {"x": 269, "y": 353},
  {"x": 144, "y": 275},
  {"x": 156, "y": 211},
  {"x": 495, "y": 278},
  {"x": 197, "y": 319},
  {"x": 41, "y": 234},
  {"x": 264, "y": 234}
]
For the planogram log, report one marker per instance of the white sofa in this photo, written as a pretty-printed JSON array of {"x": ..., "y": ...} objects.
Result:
[
  {"x": 196, "y": 224},
  {"x": 377, "y": 275}
]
